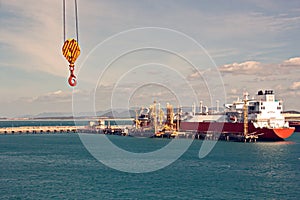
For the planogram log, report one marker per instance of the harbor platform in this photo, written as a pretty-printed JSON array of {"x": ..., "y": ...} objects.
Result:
[{"x": 38, "y": 129}]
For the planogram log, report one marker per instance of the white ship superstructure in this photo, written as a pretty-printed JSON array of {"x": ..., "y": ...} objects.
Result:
[{"x": 266, "y": 111}]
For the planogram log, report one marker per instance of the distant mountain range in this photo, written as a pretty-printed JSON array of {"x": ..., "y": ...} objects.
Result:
[{"x": 119, "y": 113}]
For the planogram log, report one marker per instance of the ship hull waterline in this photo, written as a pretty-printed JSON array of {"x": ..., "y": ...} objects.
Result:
[{"x": 237, "y": 130}]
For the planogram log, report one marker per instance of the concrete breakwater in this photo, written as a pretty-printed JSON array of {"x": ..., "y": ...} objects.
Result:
[{"x": 38, "y": 129}]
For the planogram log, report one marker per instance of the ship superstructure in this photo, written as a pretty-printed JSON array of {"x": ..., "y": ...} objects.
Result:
[{"x": 263, "y": 111}]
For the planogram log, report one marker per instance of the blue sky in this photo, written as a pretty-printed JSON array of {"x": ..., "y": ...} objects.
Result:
[{"x": 253, "y": 45}]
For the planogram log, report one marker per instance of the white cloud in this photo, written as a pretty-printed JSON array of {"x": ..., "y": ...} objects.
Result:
[
  {"x": 195, "y": 75},
  {"x": 248, "y": 67},
  {"x": 262, "y": 71},
  {"x": 292, "y": 62},
  {"x": 56, "y": 96},
  {"x": 295, "y": 86}
]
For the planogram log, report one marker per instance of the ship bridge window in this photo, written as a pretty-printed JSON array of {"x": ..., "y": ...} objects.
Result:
[
  {"x": 268, "y": 91},
  {"x": 251, "y": 108}
]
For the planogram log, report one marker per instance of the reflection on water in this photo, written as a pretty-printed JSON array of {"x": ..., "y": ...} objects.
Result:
[{"x": 276, "y": 143}]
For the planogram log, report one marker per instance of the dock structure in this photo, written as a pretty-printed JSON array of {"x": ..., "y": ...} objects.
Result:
[{"x": 38, "y": 129}]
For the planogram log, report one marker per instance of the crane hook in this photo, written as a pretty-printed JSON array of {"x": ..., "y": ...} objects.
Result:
[
  {"x": 72, "y": 79},
  {"x": 71, "y": 51}
]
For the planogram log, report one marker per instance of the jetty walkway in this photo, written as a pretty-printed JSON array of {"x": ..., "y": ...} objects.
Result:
[{"x": 38, "y": 129}]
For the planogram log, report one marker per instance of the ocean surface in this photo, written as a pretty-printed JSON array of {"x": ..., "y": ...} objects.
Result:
[{"x": 57, "y": 166}]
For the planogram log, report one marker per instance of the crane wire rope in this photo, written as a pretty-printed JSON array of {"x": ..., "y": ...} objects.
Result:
[
  {"x": 76, "y": 20},
  {"x": 71, "y": 49}
]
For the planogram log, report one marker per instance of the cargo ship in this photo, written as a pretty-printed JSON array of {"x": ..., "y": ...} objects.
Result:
[{"x": 259, "y": 118}]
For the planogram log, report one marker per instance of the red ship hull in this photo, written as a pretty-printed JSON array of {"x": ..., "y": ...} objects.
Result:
[{"x": 237, "y": 129}]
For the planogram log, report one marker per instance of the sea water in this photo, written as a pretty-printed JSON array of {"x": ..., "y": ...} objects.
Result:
[{"x": 57, "y": 166}]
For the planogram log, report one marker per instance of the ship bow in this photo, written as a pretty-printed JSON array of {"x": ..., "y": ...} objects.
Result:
[{"x": 284, "y": 132}]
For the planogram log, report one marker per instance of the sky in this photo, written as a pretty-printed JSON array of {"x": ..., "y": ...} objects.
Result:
[{"x": 134, "y": 52}]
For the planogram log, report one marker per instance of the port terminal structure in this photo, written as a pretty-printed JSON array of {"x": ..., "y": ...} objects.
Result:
[
  {"x": 100, "y": 126},
  {"x": 38, "y": 129}
]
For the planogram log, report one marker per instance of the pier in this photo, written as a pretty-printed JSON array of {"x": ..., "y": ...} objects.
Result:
[{"x": 38, "y": 129}]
